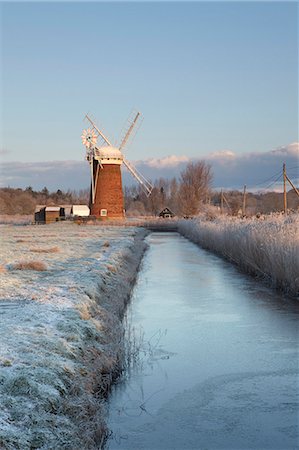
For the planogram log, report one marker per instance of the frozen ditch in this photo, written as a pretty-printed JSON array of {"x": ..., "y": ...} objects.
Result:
[
  {"x": 63, "y": 289},
  {"x": 215, "y": 357}
]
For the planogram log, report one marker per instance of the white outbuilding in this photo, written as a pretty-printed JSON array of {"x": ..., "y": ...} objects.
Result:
[{"x": 80, "y": 210}]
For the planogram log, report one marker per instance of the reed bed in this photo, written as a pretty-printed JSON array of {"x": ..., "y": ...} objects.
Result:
[{"x": 267, "y": 247}]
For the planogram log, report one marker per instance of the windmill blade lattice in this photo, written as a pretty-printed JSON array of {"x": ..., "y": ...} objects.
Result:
[
  {"x": 147, "y": 187},
  {"x": 95, "y": 128},
  {"x": 130, "y": 129},
  {"x": 105, "y": 160}
]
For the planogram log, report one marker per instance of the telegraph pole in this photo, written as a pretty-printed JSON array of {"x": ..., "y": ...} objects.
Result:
[
  {"x": 294, "y": 187},
  {"x": 221, "y": 202},
  {"x": 244, "y": 202},
  {"x": 226, "y": 202},
  {"x": 285, "y": 207}
]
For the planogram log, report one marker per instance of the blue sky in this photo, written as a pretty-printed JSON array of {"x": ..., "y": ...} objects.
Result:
[{"x": 206, "y": 76}]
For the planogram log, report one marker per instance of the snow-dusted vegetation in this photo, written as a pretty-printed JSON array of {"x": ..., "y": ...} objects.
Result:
[
  {"x": 63, "y": 292},
  {"x": 16, "y": 219},
  {"x": 267, "y": 247}
]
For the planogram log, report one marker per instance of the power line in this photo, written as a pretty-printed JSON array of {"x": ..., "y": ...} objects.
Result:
[
  {"x": 273, "y": 182},
  {"x": 272, "y": 179},
  {"x": 269, "y": 179}
]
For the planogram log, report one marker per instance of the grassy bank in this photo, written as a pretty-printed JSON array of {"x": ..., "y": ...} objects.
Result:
[
  {"x": 267, "y": 247},
  {"x": 63, "y": 290}
]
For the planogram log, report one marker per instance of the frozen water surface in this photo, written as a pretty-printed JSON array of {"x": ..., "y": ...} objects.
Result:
[{"x": 218, "y": 360}]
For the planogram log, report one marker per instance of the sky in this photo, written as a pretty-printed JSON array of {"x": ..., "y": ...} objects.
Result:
[{"x": 210, "y": 78}]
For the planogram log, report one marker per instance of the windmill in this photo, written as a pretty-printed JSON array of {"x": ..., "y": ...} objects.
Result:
[{"x": 105, "y": 160}]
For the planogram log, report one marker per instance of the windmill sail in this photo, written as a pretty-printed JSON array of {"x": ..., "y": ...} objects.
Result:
[
  {"x": 106, "y": 194},
  {"x": 131, "y": 125},
  {"x": 98, "y": 130},
  {"x": 145, "y": 184}
]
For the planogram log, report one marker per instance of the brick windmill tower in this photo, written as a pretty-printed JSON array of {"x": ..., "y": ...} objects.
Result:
[{"x": 106, "y": 194}]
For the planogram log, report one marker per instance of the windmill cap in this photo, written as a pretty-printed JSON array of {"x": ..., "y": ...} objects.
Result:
[{"x": 108, "y": 152}]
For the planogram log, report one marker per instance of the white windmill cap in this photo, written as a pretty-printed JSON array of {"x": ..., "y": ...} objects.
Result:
[{"x": 108, "y": 152}]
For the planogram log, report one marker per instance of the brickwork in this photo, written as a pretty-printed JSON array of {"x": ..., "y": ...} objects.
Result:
[{"x": 109, "y": 193}]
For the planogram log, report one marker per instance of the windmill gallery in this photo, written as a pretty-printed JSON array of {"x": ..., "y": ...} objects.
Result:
[{"x": 105, "y": 160}]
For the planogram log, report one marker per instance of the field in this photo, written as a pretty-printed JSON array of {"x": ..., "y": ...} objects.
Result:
[
  {"x": 63, "y": 292},
  {"x": 64, "y": 288},
  {"x": 267, "y": 247}
]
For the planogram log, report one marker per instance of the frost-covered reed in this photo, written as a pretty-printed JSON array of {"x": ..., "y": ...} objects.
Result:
[{"x": 267, "y": 247}]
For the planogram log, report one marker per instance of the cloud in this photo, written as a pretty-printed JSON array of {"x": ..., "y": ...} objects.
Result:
[
  {"x": 167, "y": 161},
  {"x": 256, "y": 170},
  {"x": 230, "y": 170},
  {"x": 223, "y": 155},
  {"x": 53, "y": 174},
  {"x": 289, "y": 150}
]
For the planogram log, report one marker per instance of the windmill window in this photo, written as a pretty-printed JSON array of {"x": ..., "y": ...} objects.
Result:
[{"x": 103, "y": 212}]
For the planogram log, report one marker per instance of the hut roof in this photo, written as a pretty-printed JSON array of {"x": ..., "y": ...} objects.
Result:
[
  {"x": 52, "y": 208},
  {"x": 38, "y": 208},
  {"x": 166, "y": 211}
]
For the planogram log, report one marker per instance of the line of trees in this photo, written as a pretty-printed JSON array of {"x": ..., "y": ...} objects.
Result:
[
  {"x": 187, "y": 195},
  {"x": 19, "y": 201},
  {"x": 184, "y": 196}
]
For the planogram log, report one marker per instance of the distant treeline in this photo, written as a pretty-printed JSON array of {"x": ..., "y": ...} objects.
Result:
[
  {"x": 24, "y": 201},
  {"x": 166, "y": 193},
  {"x": 188, "y": 194},
  {"x": 184, "y": 196}
]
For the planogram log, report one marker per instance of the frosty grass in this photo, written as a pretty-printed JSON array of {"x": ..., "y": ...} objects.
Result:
[{"x": 63, "y": 293}]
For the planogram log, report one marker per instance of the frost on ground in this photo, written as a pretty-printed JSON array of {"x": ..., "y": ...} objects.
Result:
[
  {"x": 16, "y": 219},
  {"x": 267, "y": 247},
  {"x": 60, "y": 316}
]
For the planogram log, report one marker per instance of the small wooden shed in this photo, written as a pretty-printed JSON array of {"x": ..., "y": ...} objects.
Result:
[
  {"x": 166, "y": 213},
  {"x": 52, "y": 214},
  {"x": 47, "y": 214}
]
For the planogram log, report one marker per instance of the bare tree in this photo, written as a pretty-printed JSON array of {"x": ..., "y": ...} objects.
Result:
[
  {"x": 173, "y": 201},
  {"x": 234, "y": 199},
  {"x": 136, "y": 209},
  {"x": 195, "y": 182}
]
